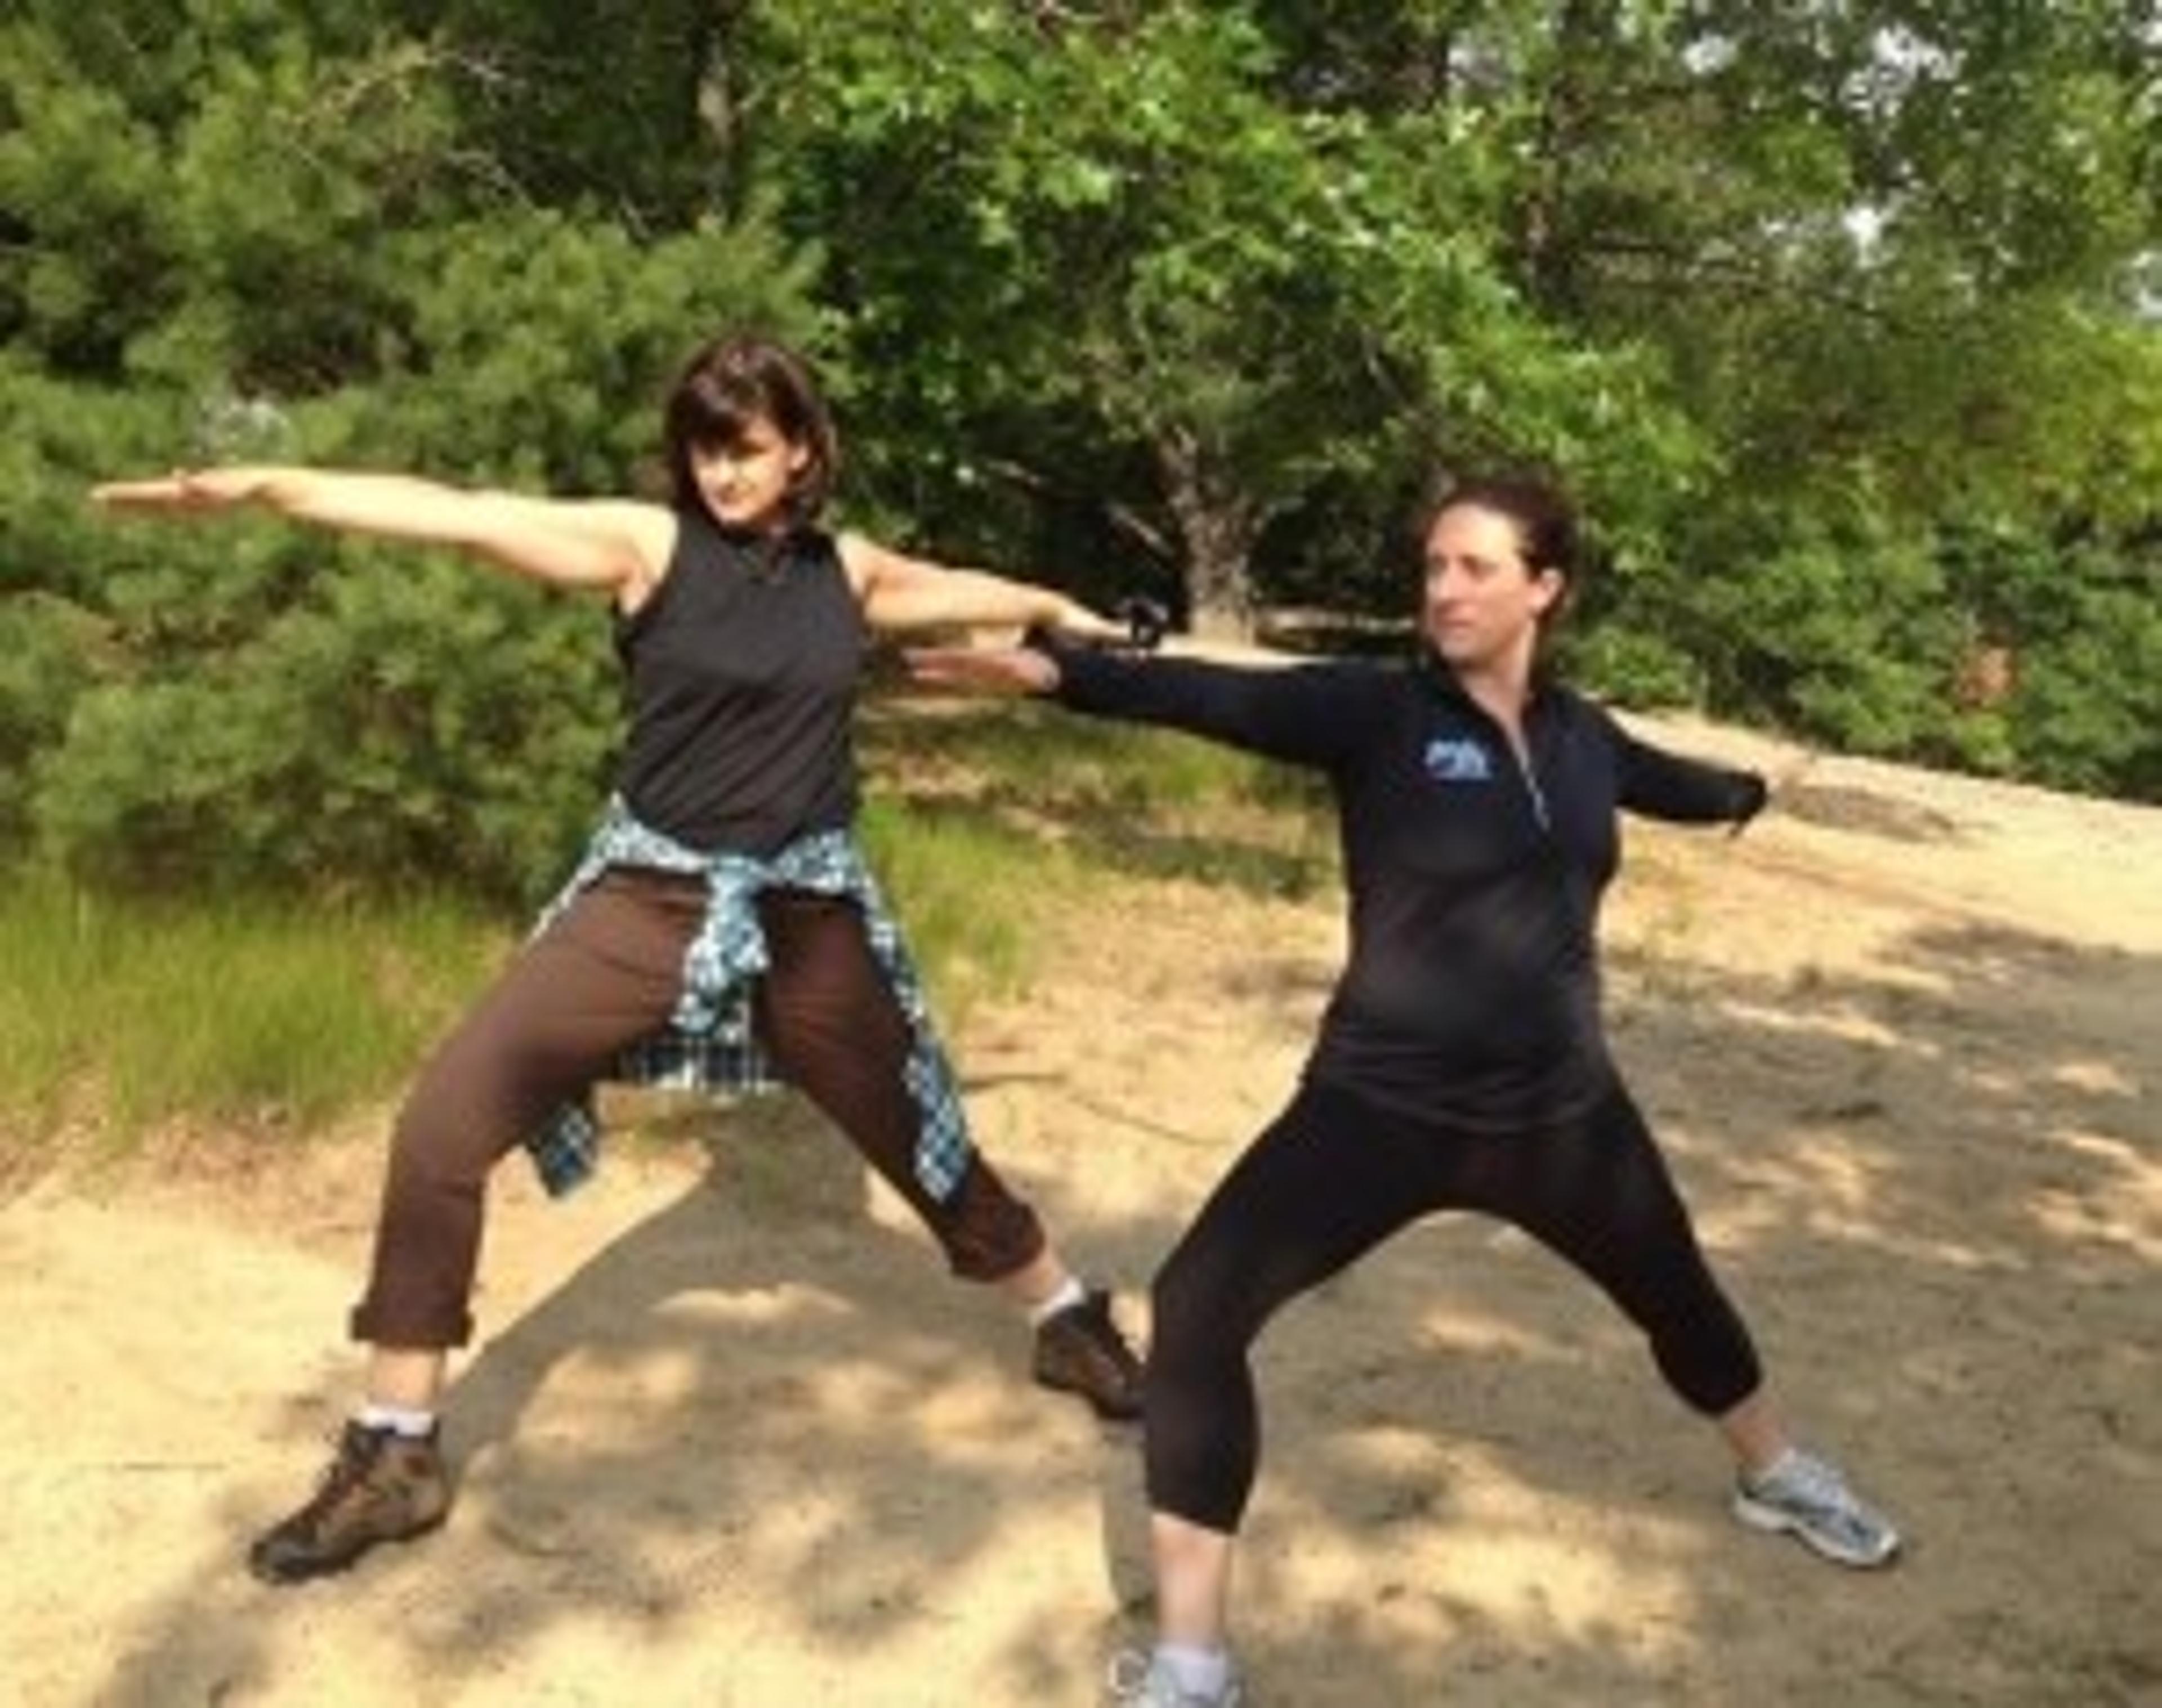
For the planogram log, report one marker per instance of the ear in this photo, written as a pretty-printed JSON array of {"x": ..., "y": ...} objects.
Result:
[{"x": 1549, "y": 586}]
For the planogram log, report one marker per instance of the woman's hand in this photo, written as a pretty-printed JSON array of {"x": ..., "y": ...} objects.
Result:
[
  {"x": 620, "y": 546},
  {"x": 899, "y": 593},
  {"x": 1075, "y": 621},
  {"x": 183, "y": 489},
  {"x": 1752, "y": 794},
  {"x": 984, "y": 670}
]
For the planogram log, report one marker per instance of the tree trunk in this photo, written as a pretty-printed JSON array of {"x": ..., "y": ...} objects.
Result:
[
  {"x": 1218, "y": 526},
  {"x": 1545, "y": 241}
]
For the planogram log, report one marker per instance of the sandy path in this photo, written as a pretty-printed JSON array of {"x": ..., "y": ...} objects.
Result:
[{"x": 734, "y": 1439}]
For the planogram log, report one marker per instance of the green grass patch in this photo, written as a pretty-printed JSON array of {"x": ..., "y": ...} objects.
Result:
[
  {"x": 1116, "y": 800},
  {"x": 121, "y": 1014},
  {"x": 966, "y": 889}
]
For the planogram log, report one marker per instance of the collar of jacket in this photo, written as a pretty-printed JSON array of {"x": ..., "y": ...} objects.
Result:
[{"x": 1435, "y": 672}]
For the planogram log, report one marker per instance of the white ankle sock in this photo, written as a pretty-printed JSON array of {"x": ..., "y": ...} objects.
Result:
[
  {"x": 1196, "y": 1671},
  {"x": 1785, "y": 1460},
  {"x": 399, "y": 1420},
  {"x": 1069, "y": 1293}
]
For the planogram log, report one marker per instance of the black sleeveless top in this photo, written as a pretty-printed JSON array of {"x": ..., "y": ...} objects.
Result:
[{"x": 742, "y": 669}]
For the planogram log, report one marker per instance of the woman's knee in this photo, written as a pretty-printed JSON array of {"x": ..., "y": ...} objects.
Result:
[
  {"x": 1707, "y": 1356},
  {"x": 456, "y": 1120},
  {"x": 1200, "y": 1304}
]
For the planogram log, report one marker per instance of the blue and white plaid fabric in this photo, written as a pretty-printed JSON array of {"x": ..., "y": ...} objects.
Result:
[{"x": 709, "y": 1044}]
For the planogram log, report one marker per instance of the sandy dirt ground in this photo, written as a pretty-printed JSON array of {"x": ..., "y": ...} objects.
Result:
[{"x": 730, "y": 1437}]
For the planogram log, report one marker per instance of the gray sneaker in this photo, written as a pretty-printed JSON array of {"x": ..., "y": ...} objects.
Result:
[
  {"x": 1803, "y": 1496},
  {"x": 1142, "y": 1681}
]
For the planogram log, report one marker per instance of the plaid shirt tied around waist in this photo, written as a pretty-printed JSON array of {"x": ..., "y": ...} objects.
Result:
[{"x": 709, "y": 1043}]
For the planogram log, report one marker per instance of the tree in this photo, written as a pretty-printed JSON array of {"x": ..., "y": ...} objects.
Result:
[
  {"x": 1055, "y": 220},
  {"x": 1892, "y": 330},
  {"x": 329, "y": 274},
  {"x": 1867, "y": 405},
  {"x": 610, "y": 107}
]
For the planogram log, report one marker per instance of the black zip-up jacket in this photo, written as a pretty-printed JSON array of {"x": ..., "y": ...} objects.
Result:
[{"x": 1471, "y": 993}]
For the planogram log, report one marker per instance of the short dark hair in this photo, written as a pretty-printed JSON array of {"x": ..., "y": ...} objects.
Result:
[
  {"x": 731, "y": 383},
  {"x": 1545, "y": 519}
]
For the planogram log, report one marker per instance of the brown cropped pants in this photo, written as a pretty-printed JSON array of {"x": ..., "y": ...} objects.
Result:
[{"x": 607, "y": 972}]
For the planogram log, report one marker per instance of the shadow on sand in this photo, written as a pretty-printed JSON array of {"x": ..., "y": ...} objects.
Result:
[{"x": 789, "y": 1380}]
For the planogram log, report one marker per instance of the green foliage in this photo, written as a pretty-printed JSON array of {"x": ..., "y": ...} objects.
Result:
[
  {"x": 614, "y": 108},
  {"x": 538, "y": 348},
  {"x": 1082, "y": 799},
  {"x": 2077, "y": 623},
  {"x": 317, "y": 1008},
  {"x": 1140, "y": 242},
  {"x": 2087, "y": 714},
  {"x": 1638, "y": 667},
  {"x": 336, "y": 282},
  {"x": 1993, "y": 649},
  {"x": 77, "y": 186},
  {"x": 46, "y": 646},
  {"x": 1190, "y": 297},
  {"x": 413, "y": 722}
]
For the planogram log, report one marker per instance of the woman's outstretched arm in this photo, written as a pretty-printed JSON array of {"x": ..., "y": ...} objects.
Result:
[
  {"x": 1306, "y": 713},
  {"x": 1657, "y": 784},
  {"x": 618, "y": 546},
  {"x": 898, "y": 592}
]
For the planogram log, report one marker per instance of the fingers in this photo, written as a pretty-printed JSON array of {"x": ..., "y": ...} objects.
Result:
[
  {"x": 124, "y": 494},
  {"x": 178, "y": 490},
  {"x": 182, "y": 489},
  {"x": 1004, "y": 669},
  {"x": 1752, "y": 795},
  {"x": 930, "y": 664},
  {"x": 940, "y": 664},
  {"x": 1134, "y": 622},
  {"x": 1079, "y": 623},
  {"x": 952, "y": 664}
]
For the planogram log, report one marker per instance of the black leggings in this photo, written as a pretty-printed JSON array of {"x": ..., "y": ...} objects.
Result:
[{"x": 1336, "y": 1175}]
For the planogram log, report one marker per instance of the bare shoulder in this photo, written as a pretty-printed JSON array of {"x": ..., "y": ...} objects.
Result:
[
  {"x": 869, "y": 565},
  {"x": 645, "y": 534},
  {"x": 651, "y": 528}
]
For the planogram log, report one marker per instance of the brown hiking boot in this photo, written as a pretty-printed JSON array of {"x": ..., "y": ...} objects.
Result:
[
  {"x": 1081, "y": 1351},
  {"x": 382, "y": 1487}
]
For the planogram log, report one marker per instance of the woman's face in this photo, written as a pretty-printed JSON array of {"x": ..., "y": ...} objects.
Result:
[
  {"x": 1483, "y": 599},
  {"x": 745, "y": 482}
]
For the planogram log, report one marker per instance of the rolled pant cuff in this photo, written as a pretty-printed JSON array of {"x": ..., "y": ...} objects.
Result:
[{"x": 370, "y": 1324}]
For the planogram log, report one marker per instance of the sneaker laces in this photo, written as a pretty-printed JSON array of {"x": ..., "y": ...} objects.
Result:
[
  {"x": 1805, "y": 1477},
  {"x": 1098, "y": 1330},
  {"x": 1816, "y": 1488},
  {"x": 358, "y": 1451}
]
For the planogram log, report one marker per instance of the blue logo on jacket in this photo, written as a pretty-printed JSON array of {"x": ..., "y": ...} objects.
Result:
[{"x": 1458, "y": 759}]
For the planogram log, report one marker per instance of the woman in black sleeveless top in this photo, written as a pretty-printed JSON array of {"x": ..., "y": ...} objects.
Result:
[{"x": 723, "y": 928}]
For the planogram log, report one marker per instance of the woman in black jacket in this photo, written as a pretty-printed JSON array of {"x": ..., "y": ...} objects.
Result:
[{"x": 1461, "y": 1062}]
